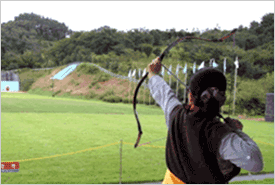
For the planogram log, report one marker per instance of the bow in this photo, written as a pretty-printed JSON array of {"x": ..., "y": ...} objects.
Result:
[{"x": 169, "y": 47}]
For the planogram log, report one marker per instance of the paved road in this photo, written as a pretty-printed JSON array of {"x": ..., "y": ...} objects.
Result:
[{"x": 241, "y": 178}]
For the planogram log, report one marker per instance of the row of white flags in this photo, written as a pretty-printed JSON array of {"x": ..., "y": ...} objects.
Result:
[
  {"x": 184, "y": 70},
  {"x": 133, "y": 74}
]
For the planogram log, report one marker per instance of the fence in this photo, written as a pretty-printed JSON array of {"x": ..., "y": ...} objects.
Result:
[{"x": 118, "y": 76}]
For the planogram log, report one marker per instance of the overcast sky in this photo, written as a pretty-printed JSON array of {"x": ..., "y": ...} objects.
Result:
[{"x": 126, "y": 15}]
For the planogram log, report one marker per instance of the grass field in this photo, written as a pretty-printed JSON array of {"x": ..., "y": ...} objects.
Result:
[{"x": 68, "y": 141}]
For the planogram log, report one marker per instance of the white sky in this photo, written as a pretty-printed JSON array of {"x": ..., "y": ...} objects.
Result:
[{"x": 126, "y": 15}]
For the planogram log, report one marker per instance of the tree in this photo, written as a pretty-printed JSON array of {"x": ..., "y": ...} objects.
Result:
[{"x": 147, "y": 49}]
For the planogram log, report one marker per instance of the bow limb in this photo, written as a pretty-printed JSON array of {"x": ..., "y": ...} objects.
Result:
[{"x": 135, "y": 111}]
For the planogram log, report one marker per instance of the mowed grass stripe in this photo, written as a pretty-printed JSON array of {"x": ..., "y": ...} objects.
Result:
[{"x": 35, "y": 103}]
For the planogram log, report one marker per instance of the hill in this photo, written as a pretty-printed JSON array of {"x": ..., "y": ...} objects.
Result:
[{"x": 86, "y": 81}]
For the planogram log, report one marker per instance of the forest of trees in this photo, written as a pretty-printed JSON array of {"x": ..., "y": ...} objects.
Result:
[{"x": 32, "y": 41}]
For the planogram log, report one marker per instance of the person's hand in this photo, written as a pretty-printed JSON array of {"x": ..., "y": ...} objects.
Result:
[{"x": 154, "y": 67}]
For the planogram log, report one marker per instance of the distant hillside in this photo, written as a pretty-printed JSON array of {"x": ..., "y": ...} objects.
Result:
[{"x": 86, "y": 81}]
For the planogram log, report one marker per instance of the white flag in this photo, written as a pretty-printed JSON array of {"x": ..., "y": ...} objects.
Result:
[
  {"x": 215, "y": 64},
  {"x": 224, "y": 65},
  {"x": 144, "y": 72},
  {"x": 139, "y": 73},
  {"x": 185, "y": 69},
  {"x": 129, "y": 74},
  {"x": 134, "y": 73},
  {"x": 170, "y": 69},
  {"x": 201, "y": 66},
  {"x": 162, "y": 71},
  {"x": 237, "y": 63},
  {"x": 194, "y": 67}
]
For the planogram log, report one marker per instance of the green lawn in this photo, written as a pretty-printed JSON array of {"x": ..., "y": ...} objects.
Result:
[{"x": 57, "y": 140}]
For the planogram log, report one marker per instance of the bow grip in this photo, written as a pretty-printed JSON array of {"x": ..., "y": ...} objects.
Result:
[{"x": 161, "y": 57}]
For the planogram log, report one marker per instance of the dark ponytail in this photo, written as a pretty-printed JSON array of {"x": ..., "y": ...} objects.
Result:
[
  {"x": 208, "y": 87},
  {"x": 210, "y": 101}
]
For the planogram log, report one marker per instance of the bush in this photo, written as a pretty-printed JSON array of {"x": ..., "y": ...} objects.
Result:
[
  {"x": 26, "y": 84},
  {"x": 55, "y": 93},
  {"x": 157, "y": 51},
  {"x": 125, "y": 100},
  {"x": 93, "y": 83},
  {"x": 97, "y": 86},
  {"x": 104, "y": 77},
  {"x": 87, "y": 68},
  {"x": 72, "y": 81},
  {"x": 112, "y": 99},
  {"x": 251, "y": 95},
  {"x": 110, "y": 92},
  {"x": 91, "y": 95},
  {"x": 147, "y": 49}
]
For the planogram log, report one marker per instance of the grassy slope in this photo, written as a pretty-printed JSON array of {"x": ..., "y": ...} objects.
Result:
[
  {"x": 36, "y": 127},
  {"x": 85, "y": 83}
]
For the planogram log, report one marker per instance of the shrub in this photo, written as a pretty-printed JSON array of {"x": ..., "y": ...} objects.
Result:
[
  {"x": 55, "y": 93},
  {"x": 93, "y": 83},
  {"x": 104, "y": 77},
  {"x": 107, "y": 93},
  {"x": 147, "y": 49},
  {"x": 72, "y": 81},
  {"x": 91, "y": 95},
  {"x": 26, "y": 84},
  {"x": 251, "y": 95},
  {"x": 112, "y": 99},
  {"x": 87, "y": 68},
  {"x": 97, "y": 86},
  {"x": 125, "y": 100}
]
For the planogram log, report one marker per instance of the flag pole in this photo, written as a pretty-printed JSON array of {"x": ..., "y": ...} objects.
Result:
[
  {"x": 144, "y": 95},
  {"x": 130, "y": 84},
  {"x": 177, "y": 80},
  {"x": 185, "y": 88},
  {"x": 129, "y": 76},
  {"x": 185, "y": 79},
  {"x": 224, "y": 68},
  {"x": 235, "y": 85}
]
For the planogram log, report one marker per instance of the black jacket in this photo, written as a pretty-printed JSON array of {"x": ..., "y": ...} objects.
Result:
[{"x": 192, "y": 147}]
